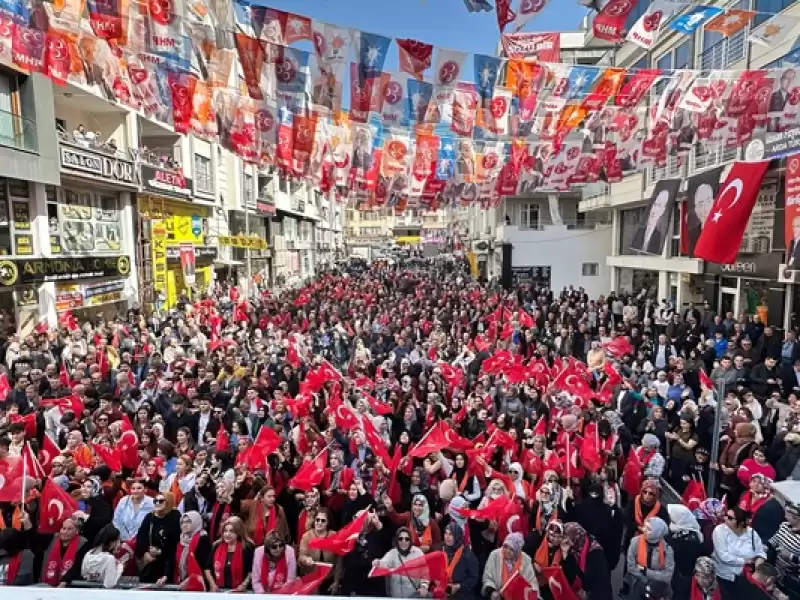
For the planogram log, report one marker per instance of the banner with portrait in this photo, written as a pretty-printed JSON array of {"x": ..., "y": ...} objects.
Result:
[
  {"x": 654, "y": 228},
  {"x": 700, "y": 194},
  {"x": 792, "y": 217}
]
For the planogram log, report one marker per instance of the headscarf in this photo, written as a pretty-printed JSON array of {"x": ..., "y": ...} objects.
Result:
[
  {"x": 400, "y": 551},
  {"x": 577, "y": 535},
  {"x": 651, "y": 485},
  {"x": 197, "y": 523},
  {"x": 514, "y": 541},
  {"x": 423, "y": 481},
  {"x": 169, "y": 502},
  {"x": 519, "y": 489},
  {"x": 421, "y": 522},
  {"x": 658, "y": 529},
  {"x": 97, "y": 486},
  {"x": 547, "y": 506},
  {"x": 710, "y": 509},
  {"x": 454, "y": 511},
  {"x": 682, "y": 521},
  {"x": 650, "y": 441},
  {"x": 705, "y": 566},
  {"x": 458, "y": 538}
]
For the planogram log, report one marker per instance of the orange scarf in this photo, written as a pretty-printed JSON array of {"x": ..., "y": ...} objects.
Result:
[
  {"x": 508, "y": 572},
  {"x": 16, "y": 519},
  {"x": 539, "y": 525},
  {"x": 451, "y": 564},
  {"x": 542, "y": 557},
  {"x": 641, "y": 553},
  {"x": 175, "y": 488},
  {"x": 425, "y": 540},
  {"x": 637, "y": 512}
]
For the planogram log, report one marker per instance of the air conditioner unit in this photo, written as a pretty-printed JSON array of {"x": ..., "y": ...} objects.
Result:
[{"x": 786, "y": 275}]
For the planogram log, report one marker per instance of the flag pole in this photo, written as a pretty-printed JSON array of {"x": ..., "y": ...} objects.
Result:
[{"x": 24, "y": 476}]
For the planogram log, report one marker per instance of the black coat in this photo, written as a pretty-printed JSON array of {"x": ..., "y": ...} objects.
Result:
[
  {"x": 687, "y": 549},
  {"x": 467, "y": 574},
  {"x": 162, "y": 532},
  {"x": 358, "y": 563},
  {"x": 596, "y": 576},
  {"x": 603, "y": 523}
]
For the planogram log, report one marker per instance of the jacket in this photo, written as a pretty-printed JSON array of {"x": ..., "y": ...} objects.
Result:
[
  {"x": 493, "y": 573},
  {"x": 400, "y": 586},
  {"x": 101, "y": 567}
]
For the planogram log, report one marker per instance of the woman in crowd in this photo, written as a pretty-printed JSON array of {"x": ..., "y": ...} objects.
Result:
[
  {"x": 274, "y": 565},
  {"x": 100, "y": 564},
  {"x": 193, "y": 551},
  {"x": 231, "y": 564},
  {"x": 735, "y": 545},
  {"x": 64, "y": 555},
  {"x": 649, "y": 557},
  {"x": 401, "y": 585},
  {"x": 157, "y": 540}
]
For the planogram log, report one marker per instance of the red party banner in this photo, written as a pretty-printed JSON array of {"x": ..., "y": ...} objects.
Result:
[
  {"x": 544, "y": 46},
  {"x": 27, "y": 48},
  {"x": 792, "y": 220},
  {"x": 415, "y": 57},
  {"x": 609, "y": 23},
  {"x": 59, "y": 55},
  {"x": 181, "y": 86},
  {"x": 251, "y": 56}
]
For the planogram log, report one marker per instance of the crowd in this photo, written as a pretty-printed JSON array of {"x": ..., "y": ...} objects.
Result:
[{"x": 405, "y": 433}]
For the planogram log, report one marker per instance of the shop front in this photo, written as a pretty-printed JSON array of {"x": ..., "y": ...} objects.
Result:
[
  {"x": 749, "y": 286},
  {"x": 174, "y": 239},
  {"x": 90, "y": 286}
]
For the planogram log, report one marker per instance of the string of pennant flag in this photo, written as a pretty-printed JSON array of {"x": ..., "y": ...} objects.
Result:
[{"x": 421, "y": 135}]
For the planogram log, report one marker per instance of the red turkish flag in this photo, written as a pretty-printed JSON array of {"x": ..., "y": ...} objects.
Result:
[
  {"x": 694, "y": 494},
  {"x": 525, "y": 320},
  {"x": 110, "y": 458},
  {"x": 632, "y": 474},
  {"x": 5, "y": 387},
  {"x": 724, "y": 228},
  {"x": 706, "y": 381},
  {"x": 307, "y": 584},
  {"x": 619, "y": 346},
  {"x": 558, "y": 584},
  {"x": 310, "y": 474},
  {"x": 11, "y": 479},
  {"x": 47, "y": 453},
  {"x": 223, "y": 441},
  {"x": 56, "y": 505},
  {"x": 612, "y": 376},
  {"x": 376, "y": 443},
  {"x": 433, "y": 441},
  {"x": 267, "y": 441},
  {"x": 493, "y": 511},
  {"x": 430, "y": 567},
  {"x": 28, "y": 422},
  {"x": 518, "y": 588},
  {"x": 343, "y": 541}
]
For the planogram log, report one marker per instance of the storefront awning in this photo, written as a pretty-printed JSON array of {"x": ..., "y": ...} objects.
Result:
[{"x": 226, "y": 262}]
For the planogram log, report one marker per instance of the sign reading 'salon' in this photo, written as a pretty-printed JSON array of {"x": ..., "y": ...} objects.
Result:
[{"x": 84, "y": 162}]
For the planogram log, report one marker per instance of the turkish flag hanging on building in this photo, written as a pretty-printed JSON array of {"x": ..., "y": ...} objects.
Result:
[{"x": 724, "y": 228}]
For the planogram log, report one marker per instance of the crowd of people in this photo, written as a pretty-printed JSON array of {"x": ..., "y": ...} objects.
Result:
[{"x": 408, "y": 433}]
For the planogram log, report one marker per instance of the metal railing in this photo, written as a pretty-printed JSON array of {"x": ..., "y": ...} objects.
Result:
[
  {"x": 18, "y": 132},
  {"x": 726, "y": 52}
]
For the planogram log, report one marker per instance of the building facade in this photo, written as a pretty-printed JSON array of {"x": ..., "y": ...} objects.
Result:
[{"x": 754, "y": 283}]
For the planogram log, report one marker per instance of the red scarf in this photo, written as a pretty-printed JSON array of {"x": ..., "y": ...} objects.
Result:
[
  {"x": 646, "y": 456},
  {"x": 226, "y": 512},
  {"x": 698, "y": 594},
  {"x": 281, "y": 573},
  {"x": 747, "y": 573},
  {"x": 237, "y": 565},
  {"x": 302, "y": 525},
  {"x": 13, "y": 569},
  {"x": 261, "y": 531},
  {"x": 192, "y": 566},
  {"x": 58, "y": 565}
]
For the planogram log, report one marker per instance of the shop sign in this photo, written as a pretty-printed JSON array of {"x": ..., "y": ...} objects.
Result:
[
  {"x": 159, "y": 248},
  {"x": 538, "y": 277},
  {"x": 764, "y": 266},
  {"x": 62, "y": 269},
  {"x": 87, "y": 163},
  {"x": 69, "y": 297},
  {"x": 166, "y": 181},
  {"x": 265, "y": 207},
  {"x": 201, "y": 254},
  {"x": 104, "y": 293},
  {"x": 248, "y": 242}
]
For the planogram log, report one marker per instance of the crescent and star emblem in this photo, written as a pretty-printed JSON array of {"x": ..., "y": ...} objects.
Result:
[{"x": 737, "y": 185}]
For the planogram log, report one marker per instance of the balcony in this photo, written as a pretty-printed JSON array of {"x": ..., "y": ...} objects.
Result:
[
  {"x": 18, "y": 132},
  {"x": 725, "y": 53}
]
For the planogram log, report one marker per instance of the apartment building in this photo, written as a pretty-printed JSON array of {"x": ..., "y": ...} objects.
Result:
[
  {"x": 102, "y": 209},
  {"x": 754, "y": 283},
  {"x": 542, "y": 237}
]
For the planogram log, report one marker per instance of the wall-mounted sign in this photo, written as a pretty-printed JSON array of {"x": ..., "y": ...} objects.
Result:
[
  {"x": 158, "y": 244},
  {"x": 166, "y": 181},
  {"x": 249, "y": 242},
  {"x": 205, "y": 254},
  {"x": 84, "y": 162},
  {"x": 756, "y": 265},
  {"x": 103, "y": 293},
  {"x": 265, "y": 208},
  {"x": 538, "y": 277},
  {"x": 62, "y": 269}
]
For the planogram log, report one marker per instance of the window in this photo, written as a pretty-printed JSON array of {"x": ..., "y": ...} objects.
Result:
[
  {"x": 766, "y": 8},
  {"x": 203, "y": 182},
  {"x": 629, "y": 223},
  {"x": 590, "y": 269},
  {"x": 638, "y": 10},
  {"x": 247, "y": 190},
  {"x": 665, "y": 64},
  {"x": 15, "y": 131},
  {"x": 683, "y": 55},
  {"x": 82, "y": 222},
  {"x": 529, "y": 216}
]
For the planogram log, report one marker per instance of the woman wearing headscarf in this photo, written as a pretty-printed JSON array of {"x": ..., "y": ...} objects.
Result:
[
  {"x": 709, "y": 514},
  {"x": 305, "y": 521},
  {"x": 194, "y": 550},
  {"x": 686, "y": 540},
  {"x": 548, "y": 549},
  {"x": 463, "y": 570},
  {"x": 157, "y": 540},
  {"x": 93, "y": 508},
  {"x": 592, "y": 568},
  {"x": 467, "y": 485},
  {"x": 545, "y": 509},
  {"x": 404, "y": 550},
  {"x": 703, "y": 585},
  {"x": 274, "y": 565},
  {"x": 649, "y": 557},
  {"x": 505, "y": 562},
  {"x": 63, "y": 558},
  {"x": 603, "y": 522},
  {"x": 758, "y": 493},
  {"x": 522, "y": 489},
  {"x": 228, "y": 504},
  {"x": 425, "y": 532},
  {"x": 644, "y": 505}
]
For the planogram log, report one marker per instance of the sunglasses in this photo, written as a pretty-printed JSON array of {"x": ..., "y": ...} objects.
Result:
[
  {"x": 159, "y": 501},
  {"x": 730, "y": 517},
  {"x": 404, "y": 539},
  {"x": 320, "y": 520},
  {"x": 276, "y": 546},
  {"x": 648, "y": 493}
]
